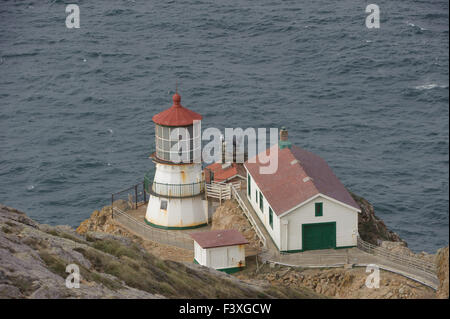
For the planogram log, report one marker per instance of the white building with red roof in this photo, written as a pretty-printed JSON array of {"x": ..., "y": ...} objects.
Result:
[
  {"x": 225, "y": 172},
  {"x": 223, "y": 250},
  {"x": 303, "y": 205}
]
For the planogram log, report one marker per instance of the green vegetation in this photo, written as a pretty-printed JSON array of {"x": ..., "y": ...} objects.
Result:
[
  {"x": 55, "y": 264},
  {"x": 117, "y": 249},
  {"x": 140, "y": 270},
  {"x": 65, "y": 235},
  {"x": 24, "y": 284},
  {"x": 34, "y": 243},
  {"x": 58, "y": 266}
]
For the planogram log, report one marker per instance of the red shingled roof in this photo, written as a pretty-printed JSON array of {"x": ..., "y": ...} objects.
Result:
[
  {"x": 300, "y": 176},
  {"x": 219, "y": 238},
  {"x": 223, "y": 174},
  {"x": 176, "y": 115}
]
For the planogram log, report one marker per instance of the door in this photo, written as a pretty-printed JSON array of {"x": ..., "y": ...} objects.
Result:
[{"x": 319, "y": 236}]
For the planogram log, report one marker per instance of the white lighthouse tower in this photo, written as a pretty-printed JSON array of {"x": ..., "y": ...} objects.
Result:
[{"x": 176, "y": 191}]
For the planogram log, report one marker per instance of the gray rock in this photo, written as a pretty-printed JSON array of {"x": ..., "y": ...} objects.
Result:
[{"x": 9, "y": 292}]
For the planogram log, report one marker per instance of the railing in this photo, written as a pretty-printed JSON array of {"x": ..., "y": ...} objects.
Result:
[
  {"x": 134, "y": 196},
  {"x": 249, "y": 216},
  {"x": 220, "y": 190},
  {"x": 402, "y": 259},
  {"x": 315, "y": 259},
  {"x": 172, "y": 238},
  {"x": 173, "y": 190}
]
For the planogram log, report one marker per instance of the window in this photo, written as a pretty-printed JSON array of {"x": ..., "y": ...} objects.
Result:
[
  {"x": 261, "y": 205},
  {"x": 271, "y": 217},
  {"x": 163, "y": 204},
  {"x": 249, "y": 190},
  {"x": 256, "y": 195},
  {"x": 319, "y": 209}
]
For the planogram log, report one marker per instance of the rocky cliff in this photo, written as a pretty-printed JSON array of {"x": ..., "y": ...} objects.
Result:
[
  {"x": 371, "y": 228},
  {"x": 101, "y": 221},
  {"x": 34, "y": 257},
  {"x": 341, "y": 283},
  {"x": 442, "y": 272},
  {"x": 230, "y": 216}
]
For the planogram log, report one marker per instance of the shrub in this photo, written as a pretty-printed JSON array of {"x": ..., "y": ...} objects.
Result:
[{"x": 53, "y": 263}]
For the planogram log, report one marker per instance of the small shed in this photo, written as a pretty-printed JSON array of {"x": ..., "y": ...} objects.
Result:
[{"x": 223, "y": 250}]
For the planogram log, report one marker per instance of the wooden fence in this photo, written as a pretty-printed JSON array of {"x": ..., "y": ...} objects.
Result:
[{"x": 220, "y": 190}]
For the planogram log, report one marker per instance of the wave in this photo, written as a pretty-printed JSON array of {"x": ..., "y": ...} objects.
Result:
[
  {"x": 415, "y": 26},
  {"x": 430, "y": 86}
]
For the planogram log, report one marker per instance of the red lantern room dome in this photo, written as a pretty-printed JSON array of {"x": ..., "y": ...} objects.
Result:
[
  {"x": 176, "y": 99},
  {"x": 176, "y": 115}
]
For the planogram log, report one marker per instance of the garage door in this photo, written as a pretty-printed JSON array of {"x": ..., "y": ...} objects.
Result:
[{"x": 319, "y": 236}]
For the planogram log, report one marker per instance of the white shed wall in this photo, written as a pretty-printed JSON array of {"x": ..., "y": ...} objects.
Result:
[
  {"x": 220, "y": 257},
  {"x": 200, "y": 254}
]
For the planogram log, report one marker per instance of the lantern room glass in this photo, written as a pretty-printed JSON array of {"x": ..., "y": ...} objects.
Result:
[{"x": 168, "y": 137}]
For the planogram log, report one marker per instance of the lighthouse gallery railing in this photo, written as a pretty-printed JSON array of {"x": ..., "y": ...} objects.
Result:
[{"x": 173, "y": 190}]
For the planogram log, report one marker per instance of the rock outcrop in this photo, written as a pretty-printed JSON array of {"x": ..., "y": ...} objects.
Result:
[
  {"x": 442, "y": 272},
  {"x": 400, "y": 247},
  {"x": 343, "y": 283},
  {"x": 371, "y": 228},
  {"x": 34, "y": 257},
  {"x": 101, "y": 221},
  {"x": 230, "y": 216}
]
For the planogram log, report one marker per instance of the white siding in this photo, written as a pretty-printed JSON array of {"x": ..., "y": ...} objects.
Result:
[
  {"x": 264, "y": 216},
  {"x": 287, "y": 230},
  {"x": 220, "y": 257},
  {"x": 180, "y": 212},
  {"x": 200, "y": 254},
  {"x": 346, "y": 223}
]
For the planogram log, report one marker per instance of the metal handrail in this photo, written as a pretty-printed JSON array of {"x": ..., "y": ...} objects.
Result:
[
  {"x": 173, "y": 190},
  {"x": 402, "y": 259},
  {"x": 172, "y": 238},
  {"x": 249, "y": 216}
]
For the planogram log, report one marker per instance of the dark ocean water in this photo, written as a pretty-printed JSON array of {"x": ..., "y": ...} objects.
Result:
[{"x": 76, "y": 104}]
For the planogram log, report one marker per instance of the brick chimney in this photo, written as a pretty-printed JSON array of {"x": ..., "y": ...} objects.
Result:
[
  {"x": 283, "y": 134},
  {"x": 284, "y": 141}
]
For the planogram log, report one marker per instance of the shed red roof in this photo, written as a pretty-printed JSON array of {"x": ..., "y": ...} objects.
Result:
[
  {"x": 219, "y": 238},
  {"x": 300, "y": 176},
  {"x": 176, "y": 115}
]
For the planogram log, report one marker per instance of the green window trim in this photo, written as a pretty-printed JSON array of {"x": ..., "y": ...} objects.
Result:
[
  {"x": 319, "y": 209},
  {"x": 261, "y": 202},
  {"x": 249, "y": 190},
  {"x": 270, "y": 217}
]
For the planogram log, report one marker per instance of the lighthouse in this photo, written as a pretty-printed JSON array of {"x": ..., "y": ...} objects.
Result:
[{"x": 177, "y": 189}]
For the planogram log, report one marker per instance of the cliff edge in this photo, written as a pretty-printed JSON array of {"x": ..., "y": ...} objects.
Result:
[{"x": 34, "y": 258}]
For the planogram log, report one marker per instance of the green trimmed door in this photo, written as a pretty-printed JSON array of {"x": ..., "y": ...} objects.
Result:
[{"x": 319, "y": 236}]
